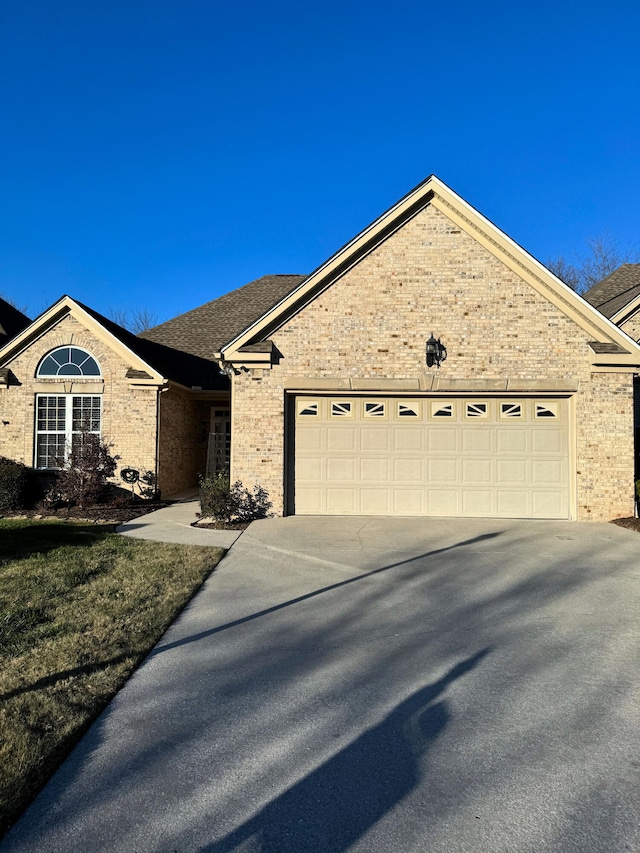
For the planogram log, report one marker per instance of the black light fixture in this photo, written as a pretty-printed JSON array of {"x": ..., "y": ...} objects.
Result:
[{"x": 436, "y": 351}]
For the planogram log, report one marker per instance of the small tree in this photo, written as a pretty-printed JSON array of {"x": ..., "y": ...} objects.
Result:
[
  {"x": 136, "y": 321},
  {"x": 85, "y": 474}
]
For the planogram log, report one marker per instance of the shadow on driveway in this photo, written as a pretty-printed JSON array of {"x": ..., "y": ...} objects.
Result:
[{"x": 336, "y": 804}]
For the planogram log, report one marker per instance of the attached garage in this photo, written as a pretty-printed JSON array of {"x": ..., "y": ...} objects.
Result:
[
  {"x": 501, "y": 457},
  {"x": 432, "y": 367}
]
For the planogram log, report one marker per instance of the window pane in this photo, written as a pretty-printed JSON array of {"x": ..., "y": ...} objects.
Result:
[
  {"x": 86, "y": 414},
  {"x": 50, "y": 452},
  {"x": 69, "y": 370},
  {"x": 50, "y": 414}
]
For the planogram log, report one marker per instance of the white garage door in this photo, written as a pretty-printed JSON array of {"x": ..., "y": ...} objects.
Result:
[{"x": 505, "y": 458}]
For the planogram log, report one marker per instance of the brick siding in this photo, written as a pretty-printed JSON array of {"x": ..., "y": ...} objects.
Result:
[
  {"x": 373, "y": 323},
  {"x": 128, "y": 413}
]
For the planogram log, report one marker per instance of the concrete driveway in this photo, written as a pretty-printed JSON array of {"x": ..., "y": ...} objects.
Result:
[{"x": 378, "y": 685}]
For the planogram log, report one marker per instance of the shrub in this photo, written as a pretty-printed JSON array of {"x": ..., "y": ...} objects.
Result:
[
  {"x": 83, "y": 480},
  {"x": 18, "y": 485},
  {"x": 232, "y": 502}
]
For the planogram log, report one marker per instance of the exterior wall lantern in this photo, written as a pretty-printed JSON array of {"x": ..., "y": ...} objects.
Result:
[{"x": 436, "y": 352}]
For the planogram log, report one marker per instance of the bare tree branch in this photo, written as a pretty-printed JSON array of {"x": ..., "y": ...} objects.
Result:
[
  {"x": 136, "y": 322},
  {"x": 604, "y": 256}
]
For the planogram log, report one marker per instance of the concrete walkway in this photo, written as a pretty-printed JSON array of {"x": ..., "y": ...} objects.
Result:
[
  {"x": 349, "y": 685},
  {"x": 174, "y": 524}
]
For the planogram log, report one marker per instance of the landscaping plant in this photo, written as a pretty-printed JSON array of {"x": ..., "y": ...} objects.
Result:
[
  {"x": 232, "y": 503},
  {"x": 18, "y": 485},
  {"x": 84, "y": 477}
]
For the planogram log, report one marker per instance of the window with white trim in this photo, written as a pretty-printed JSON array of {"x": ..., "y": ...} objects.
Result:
[
  {"x": 68, "y": 361},
  {"x": 510, "y": 410},
  {"x": 476, "y": 410},
  {"x": 407, "y": 410},
  {"x": 61, "y": 422},
  {"x": 307, "y": 410},
  {"x": 442, "y": 410}
]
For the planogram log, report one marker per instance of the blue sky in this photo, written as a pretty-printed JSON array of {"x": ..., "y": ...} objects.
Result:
[{"x": 157, "y": 154}]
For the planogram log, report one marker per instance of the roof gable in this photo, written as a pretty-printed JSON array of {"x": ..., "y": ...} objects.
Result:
[
  {"x": 434, "y": 192},
  {"x": 148, "y": 361}
]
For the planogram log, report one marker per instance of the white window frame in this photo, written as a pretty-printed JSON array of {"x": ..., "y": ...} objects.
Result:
[
  {"x": 52, "y": 354},
  {"x": 69, "y": 431}
]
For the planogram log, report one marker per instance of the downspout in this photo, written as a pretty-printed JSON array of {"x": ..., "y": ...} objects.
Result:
[{"x": 157, "y": 454}]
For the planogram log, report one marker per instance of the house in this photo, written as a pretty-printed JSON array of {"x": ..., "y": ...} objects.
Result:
[
  {"x": 618, "y": 297},
  {"x": 429, "y": 367}
]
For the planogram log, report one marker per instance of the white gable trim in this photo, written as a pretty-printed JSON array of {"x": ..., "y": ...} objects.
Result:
[
  {"x": 68, "y": 306},
  {"x": 433, "y": 191}
]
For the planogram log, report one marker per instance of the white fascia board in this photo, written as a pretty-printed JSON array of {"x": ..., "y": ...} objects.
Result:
[
  {"x": 626, "y": 312},
  {"x": 412, "y": 198},
  {"x": 434, "y": 191}
]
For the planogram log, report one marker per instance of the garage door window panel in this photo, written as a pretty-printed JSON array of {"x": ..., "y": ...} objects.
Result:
[{"x": 375, "y": 410}]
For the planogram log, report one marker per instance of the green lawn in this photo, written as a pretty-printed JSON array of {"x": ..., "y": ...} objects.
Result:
[{"x": 80, "y": 607}]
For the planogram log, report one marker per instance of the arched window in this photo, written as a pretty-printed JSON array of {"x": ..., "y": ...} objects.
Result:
[
  {"x": 68, "y": 361},
  {"x": 64, "y": 420}
]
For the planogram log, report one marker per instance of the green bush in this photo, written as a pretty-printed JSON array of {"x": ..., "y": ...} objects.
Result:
[
  {"x": 231, "y": 503},
  {"x": 18, "y": 485}
]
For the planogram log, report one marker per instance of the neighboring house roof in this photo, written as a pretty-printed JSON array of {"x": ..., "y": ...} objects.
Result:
[
  {"x": 12, "y": 321},
  {"x": 204, "y": 330},
  {"x": 615, "y": 292}
]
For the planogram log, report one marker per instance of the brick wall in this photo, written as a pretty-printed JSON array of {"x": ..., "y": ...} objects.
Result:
[
  {"x": 632, "y": 326},
  {"x": 184, "y": 430},
  {"x": 430, "y": 276},
  {"x": 128, "y": 413}
]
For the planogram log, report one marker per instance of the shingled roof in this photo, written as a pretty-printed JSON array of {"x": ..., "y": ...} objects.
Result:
[
  {"x": 616, "y": 290},
  {"x": 204, "y": 330},
  {"x": 12, "y": 321},
  {"x": 173, "y": 363}
]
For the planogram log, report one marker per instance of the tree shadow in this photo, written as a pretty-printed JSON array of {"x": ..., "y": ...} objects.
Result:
[
  {"x": 28, "y": 540},
  {"x": 337, "y": 803},
  {"x": 74, "y": 672},
  {"x": 321, "y": 591}
]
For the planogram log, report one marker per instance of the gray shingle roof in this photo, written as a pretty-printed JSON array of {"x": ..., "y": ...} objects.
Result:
[
  {"x": 12, "y": 321},
  {"x": 179, "y": 366},
  {"x": 206, "y": 329},
  {"x": 616, "y": 290}
]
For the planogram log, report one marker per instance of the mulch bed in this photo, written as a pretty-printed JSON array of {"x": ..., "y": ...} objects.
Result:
[
  {"x": 220, "y": 525},
  {"x": 629, "y": 523},
  {"x": 101, "y": 514}
]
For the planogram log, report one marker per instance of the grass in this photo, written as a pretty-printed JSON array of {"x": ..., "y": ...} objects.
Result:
[{"x": 80, "y": 607}]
